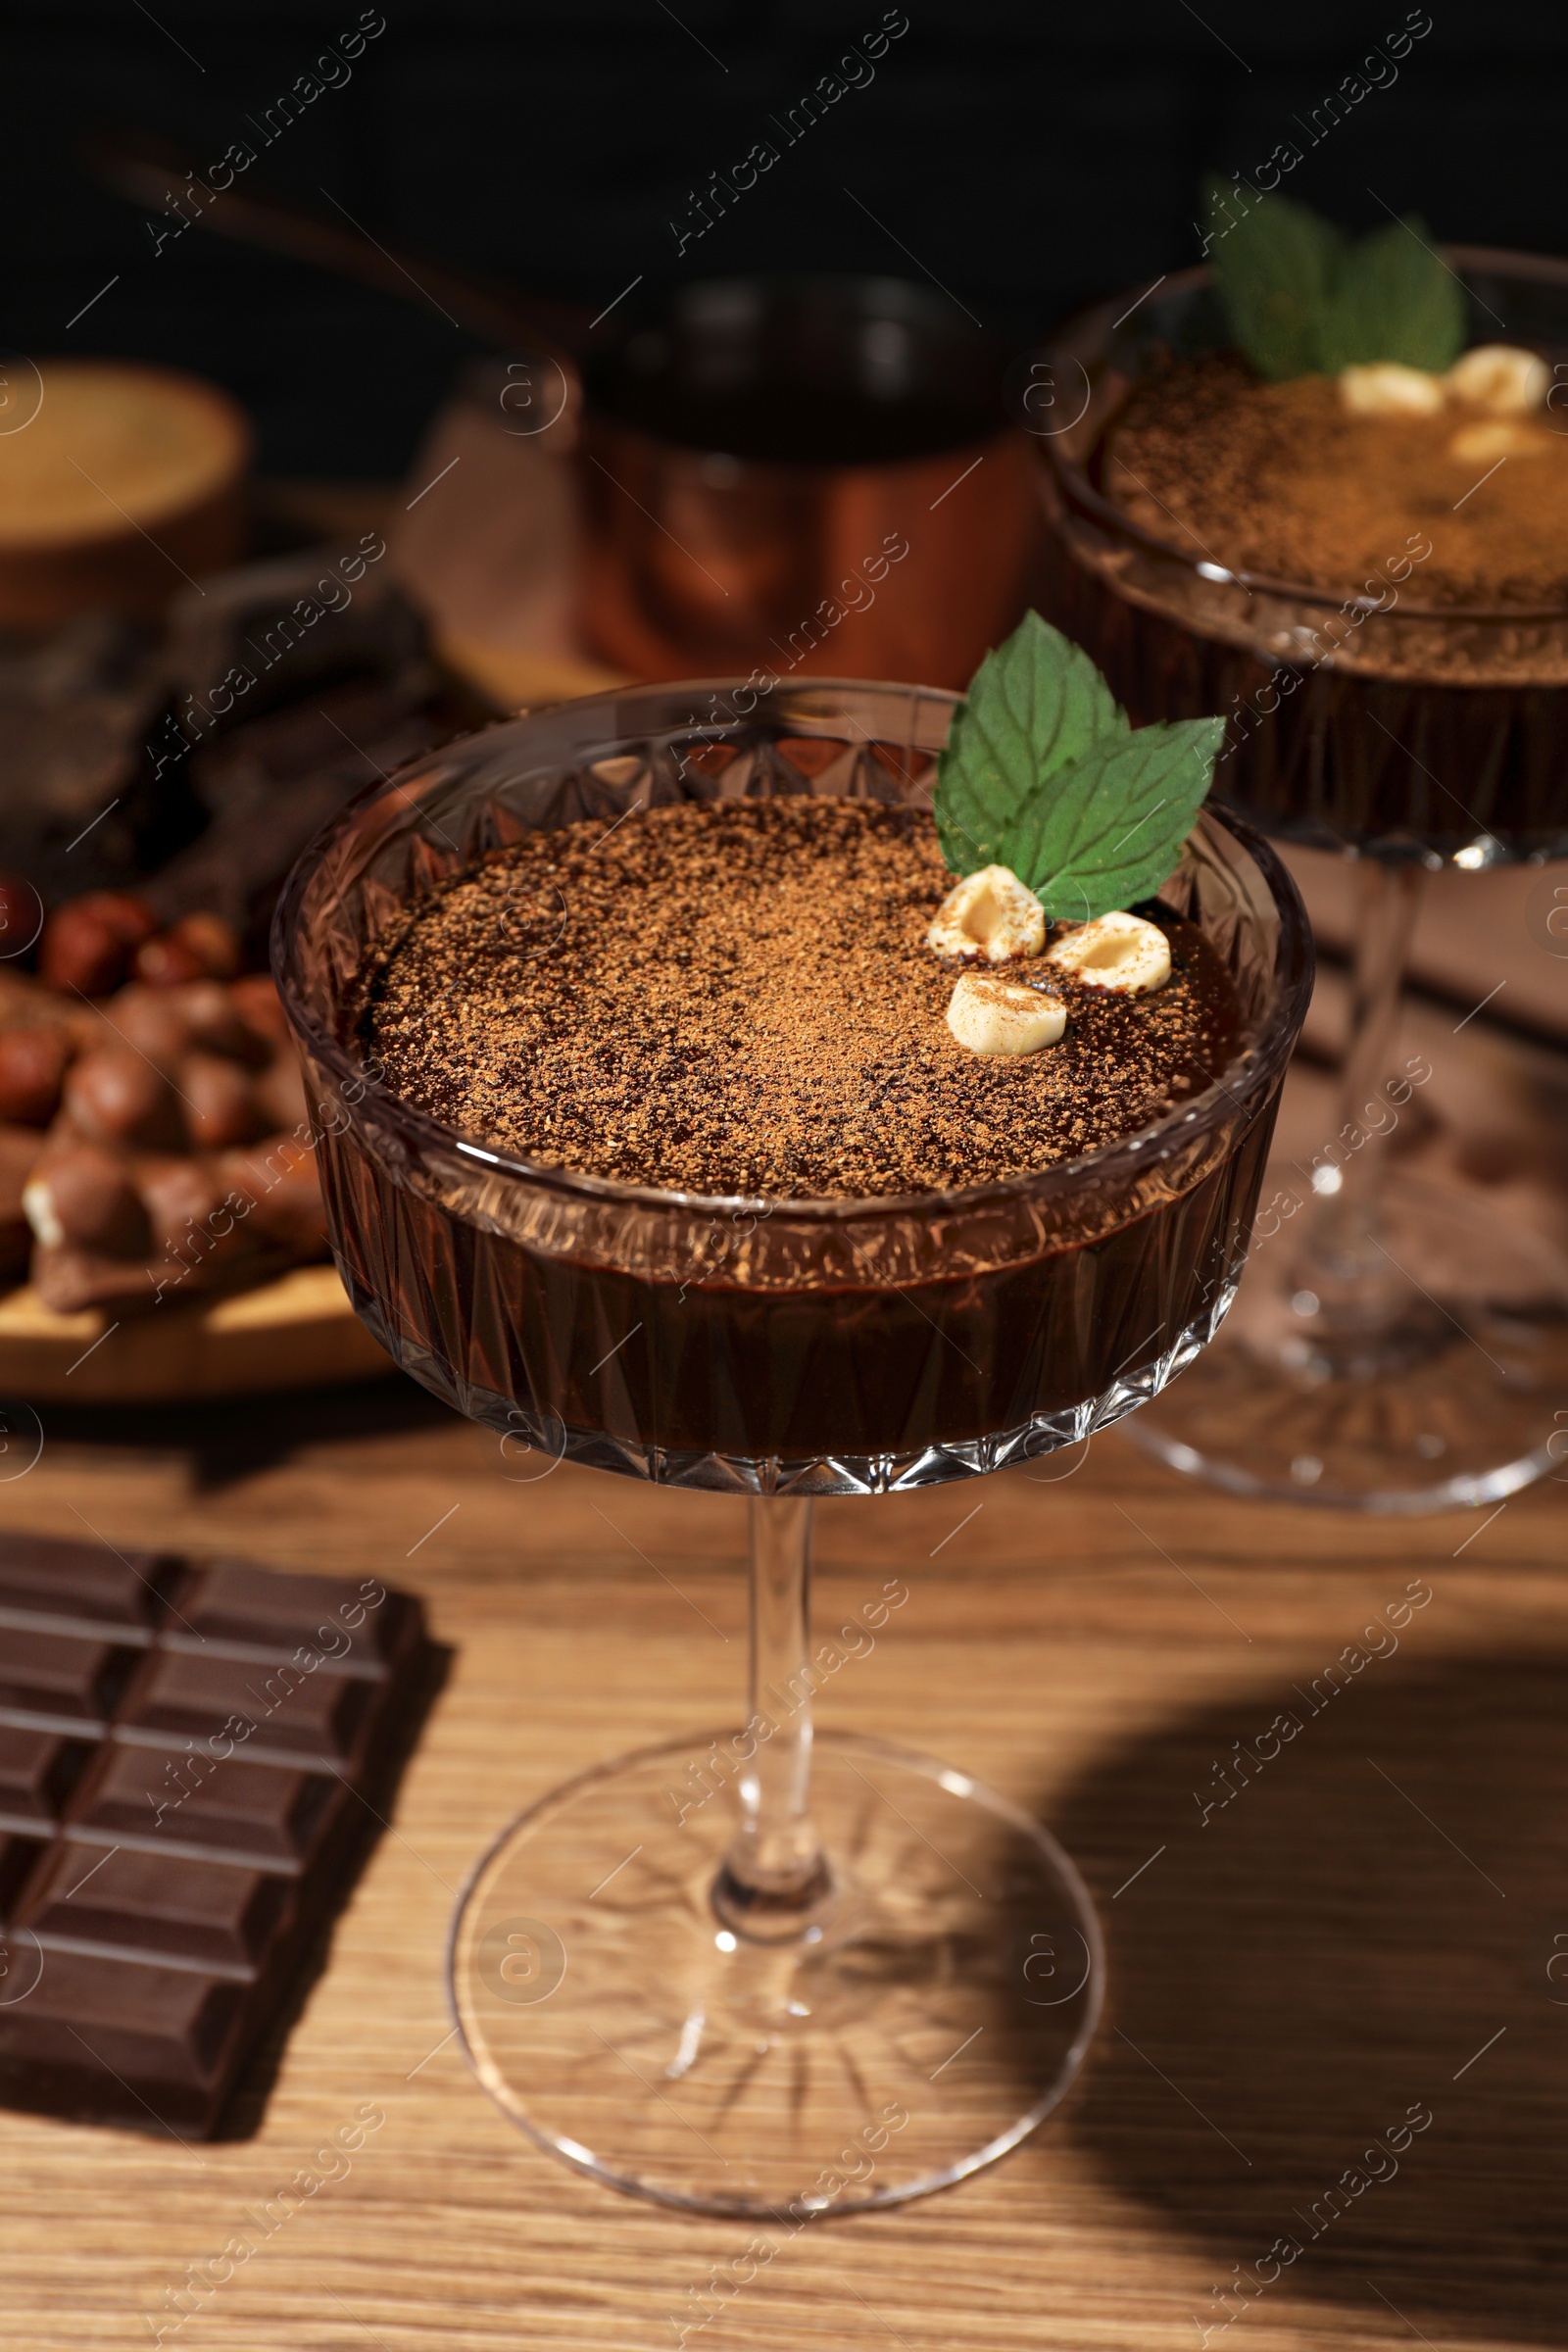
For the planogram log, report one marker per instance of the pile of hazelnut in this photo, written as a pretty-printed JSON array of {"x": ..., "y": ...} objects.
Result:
[{"x": 153, "y": 1111}]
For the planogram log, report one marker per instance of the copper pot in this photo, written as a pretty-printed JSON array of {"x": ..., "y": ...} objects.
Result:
[
  {"x": 794, "y": 474},
  {"x": 803, "y": 475}
]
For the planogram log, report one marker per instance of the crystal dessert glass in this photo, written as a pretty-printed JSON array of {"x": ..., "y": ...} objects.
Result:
[
  {"x": 758, "y": 1974},
  {"x": 1397, "y": 1347}
]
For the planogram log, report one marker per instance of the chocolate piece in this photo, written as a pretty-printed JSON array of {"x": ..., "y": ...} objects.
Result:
[
  {"x": 267, "y": 1815},
  {"x": 120, "y": 2041},
  {"x": 294, "y": 1716},
  {"x": 187, "y": 1912},
  {"x": 37, "y": 1770},
  {"x": 18, "y": 1857},
  {"x": 227, "y": 1610},
  {"x": 188, "y": 1757},
  {"x": 81, "y": 1589},
  {"x": 56, "y": 1683}
]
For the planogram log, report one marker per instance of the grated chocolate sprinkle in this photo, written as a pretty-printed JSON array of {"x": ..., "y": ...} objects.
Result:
[{"x": 738, "y": 997}]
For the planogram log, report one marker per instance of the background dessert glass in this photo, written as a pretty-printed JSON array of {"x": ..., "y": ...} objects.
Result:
[
  {"x": 755, "y": 1972},
  {"x": 1394, "y": 1349}
]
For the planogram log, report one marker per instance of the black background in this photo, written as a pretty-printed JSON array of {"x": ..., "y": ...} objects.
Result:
[{"x": 1026, "y": 156}]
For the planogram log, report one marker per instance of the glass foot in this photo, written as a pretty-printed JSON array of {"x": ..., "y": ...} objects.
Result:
[
  {"x": 1463, "y": 1406},
  {"x": 938, "y": 2010}
]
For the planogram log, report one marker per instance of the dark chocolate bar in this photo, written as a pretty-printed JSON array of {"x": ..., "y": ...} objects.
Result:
[{"x": 189, "y": 1757}]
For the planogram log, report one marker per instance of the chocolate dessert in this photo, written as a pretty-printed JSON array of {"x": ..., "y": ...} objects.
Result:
[
  {"x": 1333, "y": 507},
  {"x": 738, "y": 997},
  {"x": 566, "y": 991}
]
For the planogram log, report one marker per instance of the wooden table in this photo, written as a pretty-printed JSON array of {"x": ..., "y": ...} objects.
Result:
[{"x": 1365, "y": 1928}]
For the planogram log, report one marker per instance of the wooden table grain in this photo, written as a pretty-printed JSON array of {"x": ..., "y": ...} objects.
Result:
[{"x": 1339, "y": 1952}]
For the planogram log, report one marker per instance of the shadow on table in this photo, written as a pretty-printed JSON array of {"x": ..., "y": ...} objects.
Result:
[
  {"x": 375, "y": 1809},
  {"x": 233, "y": 1438},
  {"x": 1368, "y": 1929}
]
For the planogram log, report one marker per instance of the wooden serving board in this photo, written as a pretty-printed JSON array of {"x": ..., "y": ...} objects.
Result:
[{"x": 297, "y": 1332}]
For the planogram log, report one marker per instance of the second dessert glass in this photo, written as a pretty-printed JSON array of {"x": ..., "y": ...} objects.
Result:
[
  {"x": 761, "y": 1973},
  {"x": 1398, "y": 1347}
]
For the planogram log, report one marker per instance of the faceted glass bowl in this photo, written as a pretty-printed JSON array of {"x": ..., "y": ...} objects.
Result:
[
  {"x": 1360, "y": 718},
  {"x": 811, "y": 1346}
]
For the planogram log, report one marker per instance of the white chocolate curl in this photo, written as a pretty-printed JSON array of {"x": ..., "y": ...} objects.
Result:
[
  {"x": 989, "y": 916},
  {"x": 990, "y": 1015},
  {"x": 1118, "y": 952}
]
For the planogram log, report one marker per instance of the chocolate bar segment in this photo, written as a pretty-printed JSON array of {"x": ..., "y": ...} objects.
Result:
[
  {"x": 81, "y": 1589},
  {"x": 269, "y": 1816},
  {"x": 227, "y": 1610},
  {"x": 37, "y": 1770},
  {"x": 189, "y": 1759},
  {"x": 53, "y": 1684},
  {"x": 119, "y": 2040},
  {"x": 284, "y": 1712},
  {"x": 206, "y": 1915}
]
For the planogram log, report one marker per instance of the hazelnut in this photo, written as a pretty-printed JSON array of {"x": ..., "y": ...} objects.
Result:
[
  {"x": 32, "y": 1068},
  {"x": 82, "y": 1196},
  {"x": 166, "y": 962},
  {"x": 180, "y": 1198},
  {"x": 988, "y": 1014},
  {"x": 212, "y": 941},
  {"x": 21, "y": 916},
  {"x": 1505, "y": 437},
  {"x": 280, "y": 1092},
  {"x": 1118, "y": 952},
  {"x": 1503, "y": 377},
  {"x": 211, "y": 1012},
  {"x": 260, "y": 1006},
  {"x": 989, "y": 916},
  {"x": 114, "y": 1097},
  {"x": 87, "y": 943},
  {"x": 1387, "y": 388},
  {"x": 220, "y": 1106},
  {"x": 277, "y": 1175},
  {"x": 152, "y": 1021}
]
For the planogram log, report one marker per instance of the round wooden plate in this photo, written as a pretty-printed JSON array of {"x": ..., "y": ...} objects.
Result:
[{"x": 298, "y": 1332}]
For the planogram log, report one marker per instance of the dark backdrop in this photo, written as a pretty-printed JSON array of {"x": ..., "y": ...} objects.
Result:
[{"x": 1023, "y": 156}]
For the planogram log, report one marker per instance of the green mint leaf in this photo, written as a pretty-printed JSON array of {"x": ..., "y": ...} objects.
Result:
[
  {"x": 1275, "y": 264},
  {"x": 1035, "y": 706},
  {"x": 1109, "y": 830},
  {"x": 1394, "y": 299},
  {"x": 1302, "y": 300}
]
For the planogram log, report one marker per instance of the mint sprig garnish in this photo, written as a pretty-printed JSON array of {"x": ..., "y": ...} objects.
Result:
[
  {"x": 1303, "y": 299},
  {"x": 1044, "y": 773}
]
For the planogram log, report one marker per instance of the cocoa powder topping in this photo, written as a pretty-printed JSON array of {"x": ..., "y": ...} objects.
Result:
[{"x": 738, "y": 997}]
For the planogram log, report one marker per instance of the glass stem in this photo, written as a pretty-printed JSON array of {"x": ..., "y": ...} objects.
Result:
[
  {"x": 774, "y": 1883},
  {"x": 1353, "y": 1287},
  {"x": 1388, "y": 901}
]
